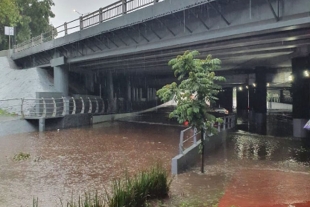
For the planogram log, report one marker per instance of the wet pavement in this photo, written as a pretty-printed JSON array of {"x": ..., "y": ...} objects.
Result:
[{"x": 249, "y": 170}]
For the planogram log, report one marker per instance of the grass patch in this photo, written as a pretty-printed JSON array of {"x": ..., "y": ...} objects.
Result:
[
  {"x": 21, "y": 156},
  {"x": 136, "y": 191}
]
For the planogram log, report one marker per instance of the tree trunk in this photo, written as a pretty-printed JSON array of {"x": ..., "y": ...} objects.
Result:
[{"x": 202, "y": 151}]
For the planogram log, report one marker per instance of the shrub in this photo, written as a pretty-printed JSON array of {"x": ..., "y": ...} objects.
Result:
[{"x": 135, "y": 191}]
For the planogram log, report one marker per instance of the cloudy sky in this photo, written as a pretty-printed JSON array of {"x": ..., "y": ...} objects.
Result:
[{"x": 63, "y": 9}]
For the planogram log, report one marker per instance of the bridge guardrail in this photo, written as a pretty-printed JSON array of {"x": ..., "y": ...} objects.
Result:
[
  {"x": 188, "y": 136},
  {"x": 52, "y": 107},
  {"x": 85, "y": 21}
]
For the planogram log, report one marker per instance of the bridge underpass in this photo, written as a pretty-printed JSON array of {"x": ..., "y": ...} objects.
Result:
[{"x": 126, "y": 57}]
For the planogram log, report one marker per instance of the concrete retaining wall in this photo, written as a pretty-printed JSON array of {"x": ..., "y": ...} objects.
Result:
[
  {"x": 15, "y": 83},
  {"x": 17, "y": 127},
  {"x": 68, "y": 121},
  {"x": 191, "y": 155}
]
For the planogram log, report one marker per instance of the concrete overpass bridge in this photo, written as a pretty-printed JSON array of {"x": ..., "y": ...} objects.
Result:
[{"x": 122, "y": 50}]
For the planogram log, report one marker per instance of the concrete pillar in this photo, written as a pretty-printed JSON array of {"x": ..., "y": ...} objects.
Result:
[
  {"x": 41, "y": 124},
  {"x": 61, "y": 79},
  {"x": 242, "y": 99},
  {"x": 140, "y": 94},
  {"x": 260, "y": 106},
  {"x": 128, "y": 95},
  {"x": 133, "y": 91},
  {"x": 226, "y": 99},
  {"x": 252, "y": 101},
  {"x": 300, "y": 89},
  {"x": 154, "y": 93},
  {"x": 110, "y": 87},
  {"x": 137, "y": 94},
  {"x": 148, "y": 97}
]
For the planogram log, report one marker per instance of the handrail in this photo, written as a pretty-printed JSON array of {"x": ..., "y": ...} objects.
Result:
[
  {"x": 52, "y": 107},
  {"x": 228, "y": 123},
  {"x": 106, "y": 13}
]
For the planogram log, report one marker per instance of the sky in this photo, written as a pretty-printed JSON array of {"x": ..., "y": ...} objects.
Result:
[{"x": 63, "y": 9}]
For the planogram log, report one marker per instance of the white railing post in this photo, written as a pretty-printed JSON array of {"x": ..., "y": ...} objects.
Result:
[
  {"x": 102, "y": 110},
  {"x": 90, "y": 105},
  {"x": 97, "y": 106},
  {"x": 195, "y": 135},
  {"x": 124, "y": 6},
  {"x": 83, "y": 106},
  {"x": 81, "y": 22},
  {"x": 66, "y": 28},
  {"x": 54, "y": 107},
  {"x": 100, "y": 15},
  {"x": 224, "y": 123},
  {"x": 74, "y": 105},
  {"x": 64, "y": 110},
  {"x": 181, "y": 142},
  {"x": 44, "y": 108}
]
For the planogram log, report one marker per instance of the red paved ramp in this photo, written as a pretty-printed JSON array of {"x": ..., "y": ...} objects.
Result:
[{"x": 267, "y": 188}]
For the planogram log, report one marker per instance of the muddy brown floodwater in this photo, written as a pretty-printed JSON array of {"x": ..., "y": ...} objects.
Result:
[
  {"x": 76, "y": 161},
  {"x": 248, "y": 170}
]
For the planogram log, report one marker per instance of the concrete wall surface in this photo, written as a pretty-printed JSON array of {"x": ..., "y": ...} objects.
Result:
[
  {"x": 191, "y": 155},
  {"x": 17, "y": 127},
  {"x": 15, "y": 83},
  {"x": 68, "y": 121}
]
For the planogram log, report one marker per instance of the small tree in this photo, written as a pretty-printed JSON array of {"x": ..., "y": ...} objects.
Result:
[{"x": 197, "y": 87}]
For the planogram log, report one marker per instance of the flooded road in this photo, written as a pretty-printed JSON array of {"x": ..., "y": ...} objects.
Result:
[{"x": 75, "y": 161}]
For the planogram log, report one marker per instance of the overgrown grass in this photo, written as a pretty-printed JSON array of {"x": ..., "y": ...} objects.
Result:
[
  {"x": 132, "y": 191},
  {"x": 135, "y": 191},
  {"x": 21, "y": 156}
]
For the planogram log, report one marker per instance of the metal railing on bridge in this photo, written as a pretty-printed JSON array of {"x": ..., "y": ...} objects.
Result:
[
  {"x": 188, "y": 136},
  {"x": 52, "y": 107},
  {"x": 85, "y": 21}
]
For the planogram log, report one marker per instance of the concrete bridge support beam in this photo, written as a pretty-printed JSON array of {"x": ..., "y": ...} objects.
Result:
[
  {"x": 41, "y": 124},
  {"x": 61, "y": 77},
  {"x": 61, "y": 80},
  {"x": 260, "y": 107},
  {"x": 110, "y": 84},
  {"x": 129, "y": 95},
  {"x": 301, "y": 96}
]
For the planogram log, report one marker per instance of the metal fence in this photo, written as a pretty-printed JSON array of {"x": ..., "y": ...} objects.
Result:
[
  {"x": 52, "y": 107},
  {"x": 189, "y": 136},
  {"x": 85, "y": 21}
]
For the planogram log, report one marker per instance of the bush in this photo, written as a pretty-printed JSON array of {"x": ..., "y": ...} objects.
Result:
[{"x": 135, "y": 191}]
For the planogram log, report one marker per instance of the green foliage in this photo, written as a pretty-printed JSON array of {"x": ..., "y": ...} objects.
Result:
[
  {"x": 198, "y": 85},
  {"x": 30, "y": 17},
  {"x": 9, "y": 16},
  {"x": 135, "y": 191},
  {"x": 21, "y": 156}
]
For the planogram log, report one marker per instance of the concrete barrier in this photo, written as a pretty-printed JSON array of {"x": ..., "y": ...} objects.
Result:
[
  {"x": 17, "y": 126},
  {"x": 190, "y": 156}
]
